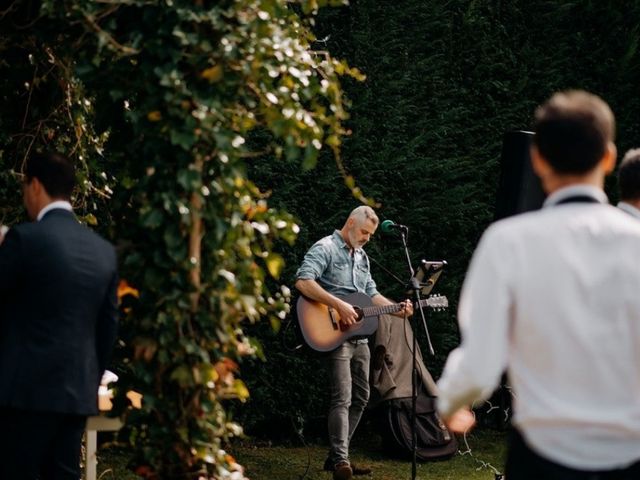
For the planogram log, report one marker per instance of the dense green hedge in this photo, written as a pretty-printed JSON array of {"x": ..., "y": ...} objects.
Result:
[{"x": 445, "y": 80}]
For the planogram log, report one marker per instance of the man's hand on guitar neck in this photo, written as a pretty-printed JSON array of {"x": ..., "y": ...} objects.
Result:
[
  {"x": 407, "y": 309},
  {"x": 407, "y": 305}
]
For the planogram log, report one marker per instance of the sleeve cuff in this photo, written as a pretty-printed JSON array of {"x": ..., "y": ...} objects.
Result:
[{"x": 443, "y": 406}]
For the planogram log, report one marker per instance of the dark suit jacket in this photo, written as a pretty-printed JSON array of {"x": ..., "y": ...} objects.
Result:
[{"x": 58, "y": 315}]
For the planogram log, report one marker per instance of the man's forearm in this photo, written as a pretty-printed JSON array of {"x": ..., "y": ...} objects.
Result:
[
  {"x": 380, "y": 301},
  {"x": 311, "y": 289}
]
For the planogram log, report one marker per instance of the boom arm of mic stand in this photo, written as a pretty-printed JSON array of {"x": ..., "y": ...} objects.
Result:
[
  {"x": 386, "y": 270},
  {"x": 406, "y": 252},
  {"x": 414, "y": 285}
]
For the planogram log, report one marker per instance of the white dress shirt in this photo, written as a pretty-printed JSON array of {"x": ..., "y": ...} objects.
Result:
[
  {"x": 63, "y": 204},
  {"x": 553, "y": 296},
  {"x": 630, "y": 209}
]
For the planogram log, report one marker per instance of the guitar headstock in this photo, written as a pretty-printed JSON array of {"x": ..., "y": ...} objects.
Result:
[{"x": 437, "y": 302}]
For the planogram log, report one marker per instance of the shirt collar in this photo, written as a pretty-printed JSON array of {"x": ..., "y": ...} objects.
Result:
[
  {"x": 337, "y": 236},
  {"x": 574, "y": 191},
  {"x": 62, "y": 204},
  {"x": 630, "y": 209}
]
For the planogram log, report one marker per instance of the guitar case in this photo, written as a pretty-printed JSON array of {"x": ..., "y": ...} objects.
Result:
[
  {"x": 391, "y": 372},
  {"x": 433, "y": 440}
]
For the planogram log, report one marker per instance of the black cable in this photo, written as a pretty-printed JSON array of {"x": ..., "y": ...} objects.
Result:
[
  {"x": 304, "y": 444},
  {"x": 284, "y": 334}
]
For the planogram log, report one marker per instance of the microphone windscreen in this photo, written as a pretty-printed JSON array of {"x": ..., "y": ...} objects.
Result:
[{"x": 387, "y": 226}]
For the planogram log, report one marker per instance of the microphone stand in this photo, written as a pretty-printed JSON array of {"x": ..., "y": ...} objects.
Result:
[{"x": 414, "y": 285}]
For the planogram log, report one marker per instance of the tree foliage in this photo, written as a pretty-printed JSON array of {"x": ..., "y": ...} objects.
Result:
[{"x": 157, "y": 102}]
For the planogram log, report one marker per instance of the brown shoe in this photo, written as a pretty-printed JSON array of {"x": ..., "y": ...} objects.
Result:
[
  {"x": 342, "y": 471},
  {"x": 360, "y": 469}
]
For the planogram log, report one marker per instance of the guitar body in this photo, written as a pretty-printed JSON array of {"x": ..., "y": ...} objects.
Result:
[
  {"x": 323, "y": 331},
  {"x": 321, "y": 326}
]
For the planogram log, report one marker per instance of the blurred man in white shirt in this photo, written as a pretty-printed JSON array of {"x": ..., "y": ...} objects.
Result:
[{"x": 553, "y": 297}]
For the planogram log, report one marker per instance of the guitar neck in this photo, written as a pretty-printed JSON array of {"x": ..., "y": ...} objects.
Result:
[
  {"x": 381, "y": 310},
  {"x": 392, "y": 308}
]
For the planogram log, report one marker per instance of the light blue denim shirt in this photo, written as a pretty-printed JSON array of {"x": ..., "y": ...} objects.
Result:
[{"x": 330, "y": 263}]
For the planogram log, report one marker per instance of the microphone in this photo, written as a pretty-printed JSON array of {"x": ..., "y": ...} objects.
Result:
[{"x": 389, "y": 226}]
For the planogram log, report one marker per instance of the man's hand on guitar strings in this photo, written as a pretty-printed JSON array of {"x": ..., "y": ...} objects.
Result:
[{"x": 348, "y": 314}]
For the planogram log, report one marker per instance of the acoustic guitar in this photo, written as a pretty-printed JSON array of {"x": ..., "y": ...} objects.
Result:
[{"x": 323, "y": 331}]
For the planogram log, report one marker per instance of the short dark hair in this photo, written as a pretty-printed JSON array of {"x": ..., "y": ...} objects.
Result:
[
  {"x": 54, "y": 171},
  {"x": 572, "y": 131},
  {"x": 629, "y": 175}
]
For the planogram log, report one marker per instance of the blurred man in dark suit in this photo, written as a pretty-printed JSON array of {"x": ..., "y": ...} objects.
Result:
[{"x": 58, "y": 319}]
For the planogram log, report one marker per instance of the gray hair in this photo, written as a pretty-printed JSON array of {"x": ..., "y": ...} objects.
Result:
[{"x": 363, "y": 213}]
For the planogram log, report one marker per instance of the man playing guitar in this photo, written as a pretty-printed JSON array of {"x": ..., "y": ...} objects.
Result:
[{"x": 334, "y": 267}]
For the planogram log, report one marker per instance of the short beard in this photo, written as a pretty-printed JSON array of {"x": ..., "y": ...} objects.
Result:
[{"x": 353, "y": 243}]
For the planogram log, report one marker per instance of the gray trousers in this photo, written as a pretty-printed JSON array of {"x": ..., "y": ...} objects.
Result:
[{"x": 349, "y": 378}]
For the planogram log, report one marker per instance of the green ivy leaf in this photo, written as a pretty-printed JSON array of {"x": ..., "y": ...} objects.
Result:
[
  {"x": 152, "y": 219},
  {"x": 183, "y": 139},
  {"x": 189, "y": 179}
]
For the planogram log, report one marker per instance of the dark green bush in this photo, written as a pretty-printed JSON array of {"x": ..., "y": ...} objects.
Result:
[{"x": 445, "y": 80}]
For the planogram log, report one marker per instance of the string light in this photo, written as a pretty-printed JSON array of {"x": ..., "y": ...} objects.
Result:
[{"x": 468, "y": 452}]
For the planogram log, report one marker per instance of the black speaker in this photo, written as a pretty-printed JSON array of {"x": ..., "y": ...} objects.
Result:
[{"x": 519, "y": 189}]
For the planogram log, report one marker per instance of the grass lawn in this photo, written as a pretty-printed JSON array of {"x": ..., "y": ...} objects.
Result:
[
  {"x": 290, "y": 463},
  {"x": 264, "y": 461}
]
